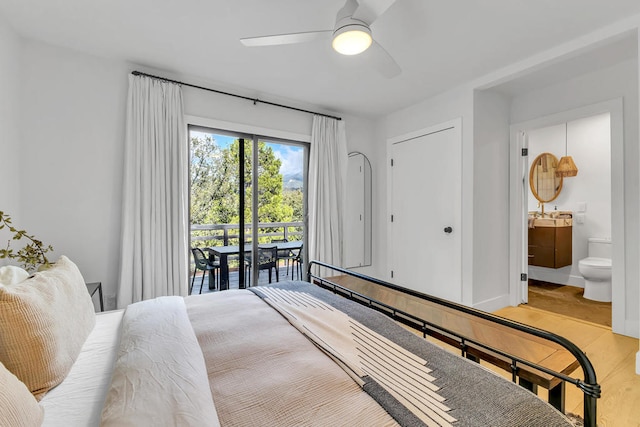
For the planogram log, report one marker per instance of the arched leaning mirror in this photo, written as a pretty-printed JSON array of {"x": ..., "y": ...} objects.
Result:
[
  {"x": 357, "y": 239},
  {"x": 544, "y": 183}
]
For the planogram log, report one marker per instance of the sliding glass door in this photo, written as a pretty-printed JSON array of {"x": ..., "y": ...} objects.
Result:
[{"x": 246, "y": 192}]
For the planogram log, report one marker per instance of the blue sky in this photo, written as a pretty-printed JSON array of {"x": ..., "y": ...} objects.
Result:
[{"x": 291, "y": 156}]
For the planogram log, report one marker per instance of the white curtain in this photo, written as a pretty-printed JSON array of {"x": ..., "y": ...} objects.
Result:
[
  {"x": 154, "y": 237},
  {"x": 327, "y": 182}
]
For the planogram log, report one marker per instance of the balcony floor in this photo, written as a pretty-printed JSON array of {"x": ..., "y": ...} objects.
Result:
[{"x": 263, "y": 279}]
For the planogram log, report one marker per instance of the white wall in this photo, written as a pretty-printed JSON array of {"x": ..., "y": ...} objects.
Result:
[
  {"x": 211, "y": 105},
  {"x": 71, "y": 156},
  {"x": 9, "y": 127},
  {"x": 490, "y": 200},
  {"x": 589, "y": 143}
]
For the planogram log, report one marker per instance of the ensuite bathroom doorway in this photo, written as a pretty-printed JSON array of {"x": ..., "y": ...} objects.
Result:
[{"x": 593, "y": 200}]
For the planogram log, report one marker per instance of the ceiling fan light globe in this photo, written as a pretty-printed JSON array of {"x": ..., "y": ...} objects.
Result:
[{"x": 352, "y": 39}]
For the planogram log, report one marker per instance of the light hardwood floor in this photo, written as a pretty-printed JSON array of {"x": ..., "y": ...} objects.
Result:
[{"x": 612, "y": 355}]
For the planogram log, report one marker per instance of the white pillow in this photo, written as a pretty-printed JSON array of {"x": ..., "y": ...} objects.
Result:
[{"x": 12, "y": 275}]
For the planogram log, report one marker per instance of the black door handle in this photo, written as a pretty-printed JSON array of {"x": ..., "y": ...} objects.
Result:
[{"x": 448, "y": 230}]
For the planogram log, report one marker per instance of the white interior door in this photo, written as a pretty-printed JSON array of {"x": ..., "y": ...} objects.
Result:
[{"x": 425, "y": 233}]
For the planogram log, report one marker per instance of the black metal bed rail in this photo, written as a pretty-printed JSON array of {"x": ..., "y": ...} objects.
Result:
[{"x": 589, "y": 386}]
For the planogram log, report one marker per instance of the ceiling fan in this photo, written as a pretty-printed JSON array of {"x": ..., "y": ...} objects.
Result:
[{"x": 351, "y": 34}]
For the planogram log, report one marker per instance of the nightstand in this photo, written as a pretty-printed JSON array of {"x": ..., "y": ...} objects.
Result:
[{"x": 92, "y": 288}]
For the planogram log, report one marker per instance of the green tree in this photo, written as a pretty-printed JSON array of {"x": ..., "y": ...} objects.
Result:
[
  {"x": 214, "y": 185},
  {"x": 270, "y": 203},
  {"x": 294, "y": 199}
]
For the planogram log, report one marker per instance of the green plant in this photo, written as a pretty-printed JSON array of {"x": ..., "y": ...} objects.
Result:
[{"x": 32, "y": 255}]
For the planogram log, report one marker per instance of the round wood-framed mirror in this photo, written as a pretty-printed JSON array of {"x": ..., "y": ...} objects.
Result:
[{"x": 544, "y": 183}]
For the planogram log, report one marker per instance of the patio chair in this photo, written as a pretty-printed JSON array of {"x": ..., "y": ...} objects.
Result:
[
  {"x": 296, "y": 261},
  {"x": 285, "y": 254},
  {"x": 267, "y": 260},
  {"x": 206, "y": 265}
]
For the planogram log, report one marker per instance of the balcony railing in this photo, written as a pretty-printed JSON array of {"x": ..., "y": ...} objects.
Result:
[{"x": 228, "y": 234}]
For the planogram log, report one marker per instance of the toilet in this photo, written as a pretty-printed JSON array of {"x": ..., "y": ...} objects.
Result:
[{"x": 596, "y": 270}]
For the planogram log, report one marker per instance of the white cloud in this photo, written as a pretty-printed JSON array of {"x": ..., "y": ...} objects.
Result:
[{"x": 292, "y": 159}]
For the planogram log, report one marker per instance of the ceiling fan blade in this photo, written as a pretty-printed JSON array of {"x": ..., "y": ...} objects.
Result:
[
  {"x": 291, "y": 38},
  {"x": 383, "y": 62},
  {"x": 370, "y": 10}
]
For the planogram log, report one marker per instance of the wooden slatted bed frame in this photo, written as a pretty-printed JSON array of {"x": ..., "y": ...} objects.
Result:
[{"x": 533, "y": 356}]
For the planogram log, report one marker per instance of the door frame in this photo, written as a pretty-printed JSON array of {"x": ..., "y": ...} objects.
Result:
[
  {"x": 518, "y": 253},
  {"x": 456, "y": 125},
  {"x": 255, "y": 133}
]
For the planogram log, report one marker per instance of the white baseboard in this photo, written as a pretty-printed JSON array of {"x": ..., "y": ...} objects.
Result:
[{"x": 493, "y": 304}]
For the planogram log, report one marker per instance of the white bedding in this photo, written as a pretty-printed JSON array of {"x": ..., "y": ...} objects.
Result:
[
  {"x": 160, "y": 377},
  {"x": 79, "y": 399}
]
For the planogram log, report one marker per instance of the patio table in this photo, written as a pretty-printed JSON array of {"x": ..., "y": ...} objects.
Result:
[{"x": 225, "y": 251}]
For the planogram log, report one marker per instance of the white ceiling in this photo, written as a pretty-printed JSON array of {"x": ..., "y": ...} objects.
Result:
[{"x": 438, "y": 43}]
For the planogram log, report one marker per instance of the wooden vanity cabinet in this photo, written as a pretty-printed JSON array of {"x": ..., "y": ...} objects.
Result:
[{"x": 550, "y": 246}]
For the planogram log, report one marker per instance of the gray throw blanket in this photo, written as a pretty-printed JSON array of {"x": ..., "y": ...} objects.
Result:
[{"x": 455, "y": 391}]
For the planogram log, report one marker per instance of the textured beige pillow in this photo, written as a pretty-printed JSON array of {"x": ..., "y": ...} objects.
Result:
[
  {"x": 18, "y": 408},
  {"x": 43, "y": 323}
]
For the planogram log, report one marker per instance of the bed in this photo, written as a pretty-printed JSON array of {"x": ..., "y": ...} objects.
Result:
[{"x": 291, "y": 353}]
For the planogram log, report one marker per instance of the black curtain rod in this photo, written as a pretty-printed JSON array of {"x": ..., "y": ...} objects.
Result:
[{"x": 254, "y": 100}]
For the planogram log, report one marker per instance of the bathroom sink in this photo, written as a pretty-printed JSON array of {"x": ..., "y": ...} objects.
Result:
[{"x": 558, "y": 221}]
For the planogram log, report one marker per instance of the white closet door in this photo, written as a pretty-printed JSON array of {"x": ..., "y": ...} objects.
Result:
[{"x": 425, "y": 245}]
